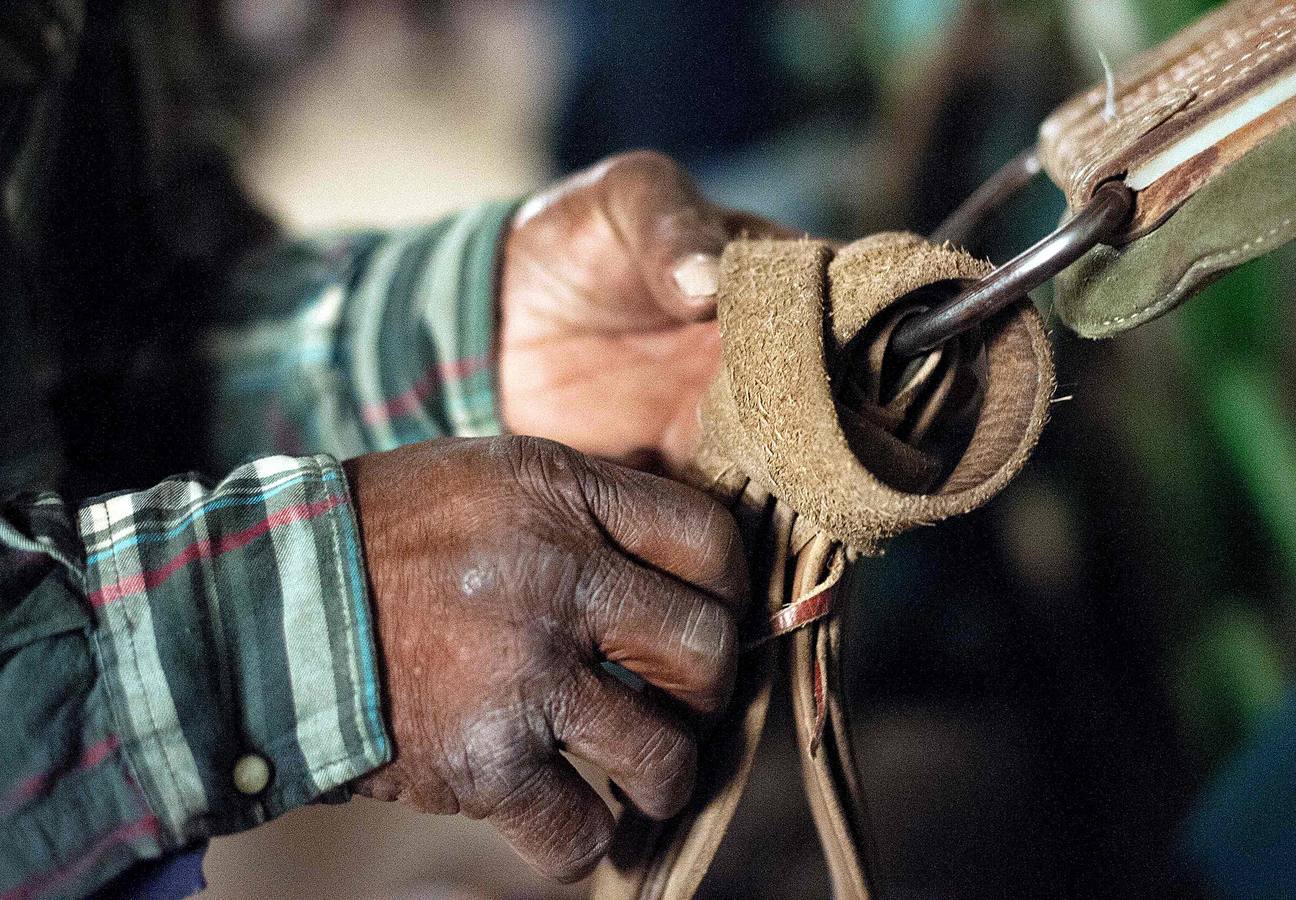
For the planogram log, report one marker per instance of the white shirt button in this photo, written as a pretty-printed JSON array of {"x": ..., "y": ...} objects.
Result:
[{"x": 251, "y": 774}]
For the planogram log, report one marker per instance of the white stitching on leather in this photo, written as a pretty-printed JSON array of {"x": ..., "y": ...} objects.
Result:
[
  {"x": 1207, "y": 53},
  {"x": 1074, "y": 158},
  {"x": 1084, "y": 172},
  {"x": 1210, "y": 86},
  {"x": 1213, "y": 258}
]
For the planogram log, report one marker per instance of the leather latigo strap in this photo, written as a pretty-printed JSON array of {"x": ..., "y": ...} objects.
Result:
[
  {"x": 1196, "y": 85},
  {"x": 823, "y": 447}
]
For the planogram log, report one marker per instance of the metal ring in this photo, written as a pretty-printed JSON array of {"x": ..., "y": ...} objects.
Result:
[{"x": 1107, "y": 210}]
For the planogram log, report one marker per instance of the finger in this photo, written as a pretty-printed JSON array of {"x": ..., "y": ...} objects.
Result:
[
  {"x": 671, "y": 527},
  {"x": 648, "y": 752},
  {"x": 673, "y": 233},
  {"x": 679, "y": 639},
  {"x": 555, "y": 821}
]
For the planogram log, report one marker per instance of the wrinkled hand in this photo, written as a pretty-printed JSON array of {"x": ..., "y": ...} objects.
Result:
[
  {"x": 607, "y": 295},
  {"x": 503, "y": 571}
]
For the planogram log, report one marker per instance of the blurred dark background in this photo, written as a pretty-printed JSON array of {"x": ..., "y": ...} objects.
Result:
[{"x": 1084, "y": 690}]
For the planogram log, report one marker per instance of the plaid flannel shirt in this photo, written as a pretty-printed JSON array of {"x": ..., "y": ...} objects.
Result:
[{"x": 155, "y": 643}]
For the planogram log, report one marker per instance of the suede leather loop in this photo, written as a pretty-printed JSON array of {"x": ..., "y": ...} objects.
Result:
[{"x": 788, "y": 309}]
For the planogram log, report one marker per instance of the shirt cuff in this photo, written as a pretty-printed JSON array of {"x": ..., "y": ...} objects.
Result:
[{"x": 236, "y": 642}]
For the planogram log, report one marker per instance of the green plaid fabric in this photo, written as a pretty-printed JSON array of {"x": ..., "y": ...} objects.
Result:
[
  {"x": 393, "y": 343},
  {"x": 151, "y": 639}
]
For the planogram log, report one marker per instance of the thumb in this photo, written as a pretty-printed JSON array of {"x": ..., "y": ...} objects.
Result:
[
  {"x": 672, "y": 234},
  {"x": 697, "y": 281},
  {"x": 697, "y": 275}
]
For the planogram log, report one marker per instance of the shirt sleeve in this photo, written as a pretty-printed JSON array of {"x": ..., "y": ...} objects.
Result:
[
  {"x": 177, "y": 663},
  {"x": 351, "y": 342}
]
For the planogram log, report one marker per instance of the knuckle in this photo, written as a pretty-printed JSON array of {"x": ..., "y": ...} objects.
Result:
[
  {"x": 603, "y": 491},
  {"x": 720, "y": 544},
  {"x": 509, "y": 788},
  {"x": 538, "y": 460},
  {"x": 606, "y": 588},
  {"x": 500, "y": 760},
  {"x": 649, "y": 165},
  {"x": 723, "y": 531},
  {"x": 565, "y": 703},
  {"x": 555, "y": 476}
]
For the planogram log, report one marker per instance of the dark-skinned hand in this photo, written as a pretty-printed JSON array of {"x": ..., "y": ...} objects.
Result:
[
  {"x": 503, "y": 572},
  {"x": 607, "y": 304}
]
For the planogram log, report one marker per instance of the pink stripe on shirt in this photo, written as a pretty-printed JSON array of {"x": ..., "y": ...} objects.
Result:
[
  {"x": 411, "y": 401},
  {"x": 49, "y": 882},
  {"x": 29, "y": 787},
  {"x": 204, "y": 549}
]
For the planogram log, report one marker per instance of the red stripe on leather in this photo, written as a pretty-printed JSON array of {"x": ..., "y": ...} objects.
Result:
[
  {"x": 802, "y": 612},
  {"x": 793, "y": 616}
]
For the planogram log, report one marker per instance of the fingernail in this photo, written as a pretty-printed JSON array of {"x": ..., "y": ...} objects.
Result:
[{"x": 698, "y": 275}]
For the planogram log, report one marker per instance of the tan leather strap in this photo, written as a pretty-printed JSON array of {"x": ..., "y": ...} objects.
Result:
[
  {"x": 1161, "y": 99},
  {"x": 822, "y": 453},
  {"x": 823, "y": 738},
  {"x": 1202, "y": 131}
]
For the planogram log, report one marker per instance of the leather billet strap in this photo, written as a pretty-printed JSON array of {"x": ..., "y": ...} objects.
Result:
[
  {"x": 1203, "y": 130},
  {"x": 822, "y": 451}
]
